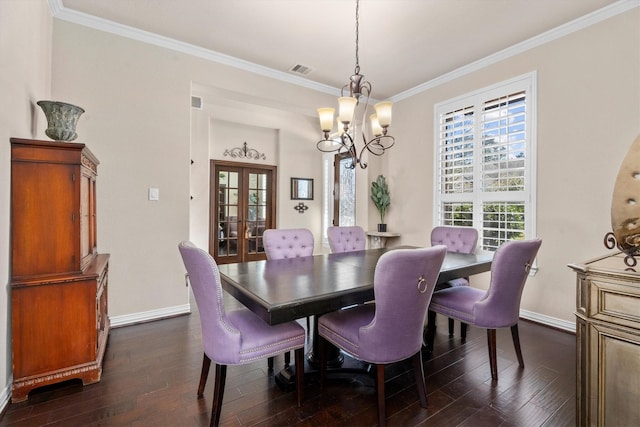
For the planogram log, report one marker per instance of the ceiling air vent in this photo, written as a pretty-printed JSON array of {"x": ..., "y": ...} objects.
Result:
[
  {"x": 301, "y": 69},
  {"x": 196, "y": 102}
]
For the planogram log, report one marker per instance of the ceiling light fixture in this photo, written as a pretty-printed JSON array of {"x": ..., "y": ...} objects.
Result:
[{"x": 345, "y": 142}]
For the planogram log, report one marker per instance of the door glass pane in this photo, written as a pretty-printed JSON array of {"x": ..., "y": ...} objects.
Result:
[
  {"x": 232, "y": 196},
  {"x": 223, "y": 179},
  {"x": 228, "y": 213},
  {"x": 253, "y": 180},
  {"x": 347, "y": 214},
  {"x": 256, "y": 211},
  {"x": 233, "y": 180},
  {"x": 262, "y": 211}
]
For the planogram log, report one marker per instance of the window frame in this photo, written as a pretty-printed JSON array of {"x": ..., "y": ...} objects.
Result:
[{"x": 478, "y": 99}]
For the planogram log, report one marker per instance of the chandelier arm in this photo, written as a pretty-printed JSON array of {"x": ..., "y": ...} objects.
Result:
[
  {"x": 366, "y": 85},
  {"x": 319, "y": 146},
  {"x": 347, "y": 86},
  {"x": 378, "y": 145},
  {"x": 354, "y": 157},
  {"x": 346, "y": 145}
]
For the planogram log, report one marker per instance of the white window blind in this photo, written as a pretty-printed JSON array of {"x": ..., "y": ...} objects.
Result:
[
  {"x": 485, "y": 162},
  {"x": 456, "y": 151},
  {"x": 504, "y": 143}
]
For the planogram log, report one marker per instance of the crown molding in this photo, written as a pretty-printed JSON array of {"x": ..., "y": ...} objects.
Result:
[
  {"x": 549, "y": 36},
  {"x": 60, "y": 12}
]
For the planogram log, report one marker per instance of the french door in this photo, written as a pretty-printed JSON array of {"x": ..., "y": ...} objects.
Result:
[{"x": 243, "y": 201}]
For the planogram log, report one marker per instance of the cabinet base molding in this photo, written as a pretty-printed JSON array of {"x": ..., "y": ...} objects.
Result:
[{"x": 89, "y": 373}]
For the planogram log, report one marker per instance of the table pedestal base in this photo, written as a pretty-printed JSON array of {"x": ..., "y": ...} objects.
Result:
[
  {"x": 347, "y": 369},
  {"x": 286, "y": 378}
]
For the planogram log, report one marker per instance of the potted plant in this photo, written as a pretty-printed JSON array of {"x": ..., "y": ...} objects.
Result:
[{"x": 381, "y": 198}]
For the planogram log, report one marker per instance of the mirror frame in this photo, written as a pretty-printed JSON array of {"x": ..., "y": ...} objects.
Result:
[{"x": 301, "y": 189}]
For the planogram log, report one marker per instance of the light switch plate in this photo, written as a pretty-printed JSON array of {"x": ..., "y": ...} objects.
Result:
[{"x": 154, "y": 194}]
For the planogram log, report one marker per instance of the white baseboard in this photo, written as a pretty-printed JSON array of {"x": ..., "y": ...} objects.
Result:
[
  {"x": 147, "y": 316},
  {"x": 5, "y": 397},
  {"x": 549, "y": 321}
]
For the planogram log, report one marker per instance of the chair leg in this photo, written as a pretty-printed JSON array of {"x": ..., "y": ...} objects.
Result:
[
  {"x": 382, "y": 410},
  {"x": 431, "y": 329},
  {"x": 299, "y": 353},
  {"x": 287, "y": 359},
  {"x": 463, "y": 331},
  {"x": 451, "y": 323},
  {"x": 218, "y": 393},
  {"x": 418, "y": 368},
  {"x": 270, "y": 363},
  {"x": 206, "y": 363},
  {"x": 493, "y": 355},
  {"x": 516, "y": 344}
]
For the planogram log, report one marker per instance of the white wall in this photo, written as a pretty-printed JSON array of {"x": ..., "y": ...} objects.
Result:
[
  {"x": 25, "y": 78},
  {"x": 588, "y": 116},
  {"x": 139, "y": 123}
]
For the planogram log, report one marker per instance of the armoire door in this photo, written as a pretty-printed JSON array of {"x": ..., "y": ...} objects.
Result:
[{"x": 243, "y": 200}]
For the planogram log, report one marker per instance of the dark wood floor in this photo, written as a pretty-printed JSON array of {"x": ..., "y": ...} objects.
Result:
[{"x": 151, "y": 373}]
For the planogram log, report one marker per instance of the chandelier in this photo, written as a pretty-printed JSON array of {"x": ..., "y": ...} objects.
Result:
[{"x": 345, "y": 140}]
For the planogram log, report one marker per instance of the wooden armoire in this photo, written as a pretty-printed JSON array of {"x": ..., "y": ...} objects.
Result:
[{"x": 59, "y": 318}]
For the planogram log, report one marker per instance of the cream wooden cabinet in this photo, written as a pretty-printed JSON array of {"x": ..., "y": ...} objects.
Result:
[
  {"x": 608, "y": 342},
  {"x": 59, "y": 283}
]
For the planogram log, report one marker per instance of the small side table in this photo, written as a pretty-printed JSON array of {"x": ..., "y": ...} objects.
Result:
[{"x": 378, "y": 239}]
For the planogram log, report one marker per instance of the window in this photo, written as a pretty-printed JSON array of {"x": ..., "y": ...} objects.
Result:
[
  {"x": 485, "y": 162},
  {"x": 344, "y": 189},
  {"x": 339, "y": 197}
]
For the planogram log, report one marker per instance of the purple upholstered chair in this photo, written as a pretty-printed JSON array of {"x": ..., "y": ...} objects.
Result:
[
  {"x": 346, "y": 239},
  {"x": 282, "y": 243},
  {"x": 287, "y": 243},
  {"x": 391, "y": 329},
  {"x": 498, "y": 306},
  {"x": 456, "y": 239},
  {"x": 235, "y": 337}
]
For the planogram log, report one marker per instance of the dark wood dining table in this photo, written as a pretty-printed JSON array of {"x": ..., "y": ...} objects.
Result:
[{"x": 293, "y": 288}]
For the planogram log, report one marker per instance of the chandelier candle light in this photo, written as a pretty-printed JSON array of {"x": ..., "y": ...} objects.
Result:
[{"x": 359, "y": 89}]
